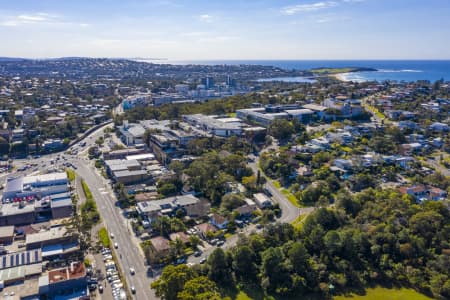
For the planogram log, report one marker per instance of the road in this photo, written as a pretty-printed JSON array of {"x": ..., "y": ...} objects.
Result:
[
  {"x": 114, "y": 221},
  {"x": 111, "y": 215}
]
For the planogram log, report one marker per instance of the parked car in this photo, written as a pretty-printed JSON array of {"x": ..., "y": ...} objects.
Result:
[
  {"x": 133, "y": 290},
  {"x": 203, "y": 260}
]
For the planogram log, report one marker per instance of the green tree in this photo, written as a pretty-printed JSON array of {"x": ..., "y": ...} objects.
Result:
[
  {"x": 281, "y": 129},
  {"x": 199, "y": 288},
  {"x": 172, "y": 281}
]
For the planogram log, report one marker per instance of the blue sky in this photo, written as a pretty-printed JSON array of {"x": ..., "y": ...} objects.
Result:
[{"x": 231, "y": 29}]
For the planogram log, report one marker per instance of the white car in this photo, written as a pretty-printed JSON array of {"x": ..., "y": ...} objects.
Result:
[
  {"x": 116, "y": 245},
  {"x": 112, "y": 235},
  {"x": 132, "y": 271}
]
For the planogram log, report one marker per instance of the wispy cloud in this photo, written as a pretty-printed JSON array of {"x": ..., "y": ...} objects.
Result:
[
  {"x": 294, "y": 9},
  {"x": 206, "y": 18},
  {"x": 35, "y": 19},
  {"x": 316, "y": 6}
]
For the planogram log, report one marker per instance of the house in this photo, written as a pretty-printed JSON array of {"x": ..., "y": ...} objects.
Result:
[
  {"x": 219, "y": 221},
  {"x": 262, "y": 200},
  {"x": 404, "y": 162},
  {"x": 343, "y": 164},
  {"x": 205, "y": 229},
  {"x": 304, "y": 171},
  {"x": 246, "y": 209},
  {"x": 436, "y": 194},
  {"x": 179, "y": 235},
  {"x": 158, "y": 250},
  {"x": 416, "y": 191}
]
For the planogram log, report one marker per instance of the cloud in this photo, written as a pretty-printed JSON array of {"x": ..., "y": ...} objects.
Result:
[
  {"x": 312, "y": 7},
  {"x": 294, "y": 9},
  {"x": 36, "y": 19},
  {"x": 206, "y": 18}
]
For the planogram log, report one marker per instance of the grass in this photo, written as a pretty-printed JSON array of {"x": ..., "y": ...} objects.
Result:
[
  {"x": 71, "y": 174},
  {"x": 277, "y": 184},
  {"x": 323, "y": 71},
  {"x": 86, "y": 190},
  {"x": 290, "y": 197},
  {"x": 286, "y": 193},
  {"x": 298, "y": 223},
  {"x": 103, "y": 237},
  {"x": 376, "y": 112},
  {"x": 386, "y": 294},
  {"x": 228, "y": 235}
]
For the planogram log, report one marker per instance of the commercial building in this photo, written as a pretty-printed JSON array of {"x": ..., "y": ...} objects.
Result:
[
  {"x": 214, "y": 125},
  {"x": 65, "y": 281},
  {"x": 193, "y": 207}
]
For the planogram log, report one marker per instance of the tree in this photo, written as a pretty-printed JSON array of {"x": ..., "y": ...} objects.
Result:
[
  {"x": 231, "y": 201},
  {"x": 281, "y": 129},
  {"x": 172, "y": 281},
  {"x": 243, "y": 264},
  {"x": 199, "y": 288},
  {"x": 167, "y": 189},
  {"x": 218, "y": 268}
]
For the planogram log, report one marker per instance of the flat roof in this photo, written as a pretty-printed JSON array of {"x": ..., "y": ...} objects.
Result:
[
  {"x": 303, "y": 111},
  {"x": 10, "y": 209},
  {"x": 129, "y": 173},
  {"x": 45, "y": 178},
  {"x": 167, "y": 203},
  {"x": 48, "y": 235},
  {"x": 16, "y": 259},
  {"x": 16, "y": 273},
  {"x": 6, "y": 231},
  {"x": 144, "y": 156}
]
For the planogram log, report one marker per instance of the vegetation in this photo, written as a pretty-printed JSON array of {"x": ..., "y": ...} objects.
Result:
[
  {"x": 71, "y": 174},
  {"x": 104, "y": 237},
  {"x": 375, "y": 236},
  {"x": 89, "y": 213},
  {"x": 386, "y": 294}
]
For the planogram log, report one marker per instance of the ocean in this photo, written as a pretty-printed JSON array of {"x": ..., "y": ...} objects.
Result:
[{"x": 398, "y": 70}]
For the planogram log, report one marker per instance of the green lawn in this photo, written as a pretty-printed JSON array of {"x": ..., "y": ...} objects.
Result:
[
  {"x": 298, "y": 223},
  {"x": 386, "y": 294},
  {"x": 286, "y": 193},
  {"x": 70, "y": 174},
  {"x": 104, "y": 237},
  {"x": 290, "y": 197}
]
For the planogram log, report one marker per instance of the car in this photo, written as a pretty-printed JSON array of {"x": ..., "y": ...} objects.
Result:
[
  {"x": 220, "y": 243},
  {"x": 100, "y": 289},
  {"x": 133, "y": 290},
  {"x": 197, "y": 253},
  {"x": 116, "y": 245},
  {"x": 202, "y": 261},
  {"x": 259, "y": 226},
  {"x": 112, "y": 235},
  {"x": 132, "y": 271}
]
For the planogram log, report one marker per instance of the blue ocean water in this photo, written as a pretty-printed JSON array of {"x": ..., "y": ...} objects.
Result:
[{"x": 399, "y": 70}]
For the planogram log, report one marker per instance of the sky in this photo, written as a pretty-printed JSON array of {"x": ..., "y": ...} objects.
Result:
[{"x": 226, "y": 29}]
